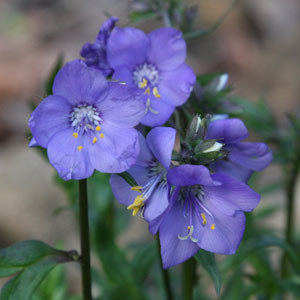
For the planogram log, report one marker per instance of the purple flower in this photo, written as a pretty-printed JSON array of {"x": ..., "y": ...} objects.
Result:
[
  {"x": 155, "y": 64},
  {"x": 205, "y": 211},
  {"x": 243, "y": 157},
  {"x": 150, "y": 197},
  {"x": 87, "y": 123},
  {"x": 95, "y": 53}
]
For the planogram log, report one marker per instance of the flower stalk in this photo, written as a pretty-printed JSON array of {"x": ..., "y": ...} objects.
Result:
[
  {"x": 165, "y": 274},
  {"x": 85, "y": 241},
  {"x": 188, "y": 278}
]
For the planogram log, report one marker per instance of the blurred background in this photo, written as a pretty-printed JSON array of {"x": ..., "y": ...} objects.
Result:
[{"x": 258, "y": 44}]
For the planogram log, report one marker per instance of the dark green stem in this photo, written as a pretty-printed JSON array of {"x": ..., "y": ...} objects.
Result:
[
  {"x": 290, "y": 197},
  {"x": 85, "y": 241},
  {"x": 188, "y": 278},
  {"x": 165, "y": 274}
]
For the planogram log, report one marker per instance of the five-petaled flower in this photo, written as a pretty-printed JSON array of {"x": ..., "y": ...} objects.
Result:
[
  {"x": 205, "y": 211},
  {"x": 88, "y": 123},
  {"x": 243, "y": 157},
  {"x": 155, "y": 64},
  {"x": 150, "y": 196}
]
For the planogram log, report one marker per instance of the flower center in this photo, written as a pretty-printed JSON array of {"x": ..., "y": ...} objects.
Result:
[
  {"x": 84, "y": 117},
  {"x": 157, "y": 175},
  {"x": 192, "y": 200},
  {"x": 146, "y": 72}
]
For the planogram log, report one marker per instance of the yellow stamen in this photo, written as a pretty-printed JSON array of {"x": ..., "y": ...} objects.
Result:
[
  {"x": 143, "y": 84},
  {"x": 156, "y": 93},
  {"x": 212, "y": 227},
  {"x": 98, "y": 128},
  {"x": 147, "y": 91},
  {"x": 136, "y": 188},
  {"x": 94, "y": 140},
  {"x": 75, "y": 135},
  {"x": 204, "y": 221},
  {"x": 101, "y": 135},
  {"x": 137, "y": 204},
  {"x": 189, "y": 227},
  {"x": 79, "y": 148}
]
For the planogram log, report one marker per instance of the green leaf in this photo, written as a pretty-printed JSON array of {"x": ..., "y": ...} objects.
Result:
[
  {"x": 49, "y": 83},
  {"x": 207, "y": 260},
  {"x": 32, "y": 261},
  {"x": 22, "y": 286},
  {"x": 128, "y": 178},
  {"x": 137, "y": 16}
]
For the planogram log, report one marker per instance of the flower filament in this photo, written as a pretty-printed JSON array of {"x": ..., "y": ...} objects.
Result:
[
  {"x": 157, "y": 179},
  {"x": 84, "y": 119},
  {"x": 146, "y": 76}
]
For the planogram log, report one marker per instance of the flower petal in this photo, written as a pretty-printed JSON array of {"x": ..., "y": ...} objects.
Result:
[
  {"x": 123, "y": 106},
  {"x": 123, "y": 74},
  {"x": 231, "y": 169},
  {"x": 228, "y": 130},
  {"x": 168, "y": 48},
  {"x": 117, "y": 151},
  {"x": 231, "y": 195},
  {"x": 156, "y": 204},
  {"x": 187, "y": 175},
  {"x": 51, "y": 116},
  {"x": 159, "y": 113},
  {"x": 173, "y": 250},
  {"x": 226, "y": 236},
  {"x": 161, "y": 141},
  {"x": 80, "y": 84},
  {"x": 122, "y": 190},
  {"x": 145, "y": 155},
  {"x": 253, "y": 156},
  {"x": 127, "y": 46},
  {"x": 177, "y": 94},
  {"x": 65, "y": 157}
]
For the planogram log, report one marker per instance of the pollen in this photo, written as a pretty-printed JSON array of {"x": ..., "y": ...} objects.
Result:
[
  {"x": 143, "y": 83},
  {"x": 189, "y": 227},
  {"x": 101, "y": 135},
  {"x": 212, "y": 227},
  {"x": 136, "y": 188},
  {"x": 204, "y": 221},
  {"x": 79, "y": 148},
  {"x": 94, "y": 140},
  {"x": 75, "y": 135},
  {"x": 137, "y": 204},
  {"x": 98, "y": 128},
  {"x": 156, "y": 93},
  {"x": 147, "y": 91}
]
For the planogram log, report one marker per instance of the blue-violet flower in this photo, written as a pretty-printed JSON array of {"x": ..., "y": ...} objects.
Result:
[
  {"x": 150, "y": 197},
  {"x": 87, "y": 123},
  {"x": 205, "y": 211},
  {"x": 155, "y": 64},
  {"x": 243, "y": 157}
]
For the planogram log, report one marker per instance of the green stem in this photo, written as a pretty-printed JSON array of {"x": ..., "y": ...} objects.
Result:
[
  {"x": 291, "y": 197},
  {"x": 165, "y": 274},
  {"x": 188, "y": 278},
  {"x": 85, "y": 241}
]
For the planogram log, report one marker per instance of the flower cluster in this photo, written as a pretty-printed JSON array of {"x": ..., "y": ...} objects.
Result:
[{"x": 196, "y": 196}]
